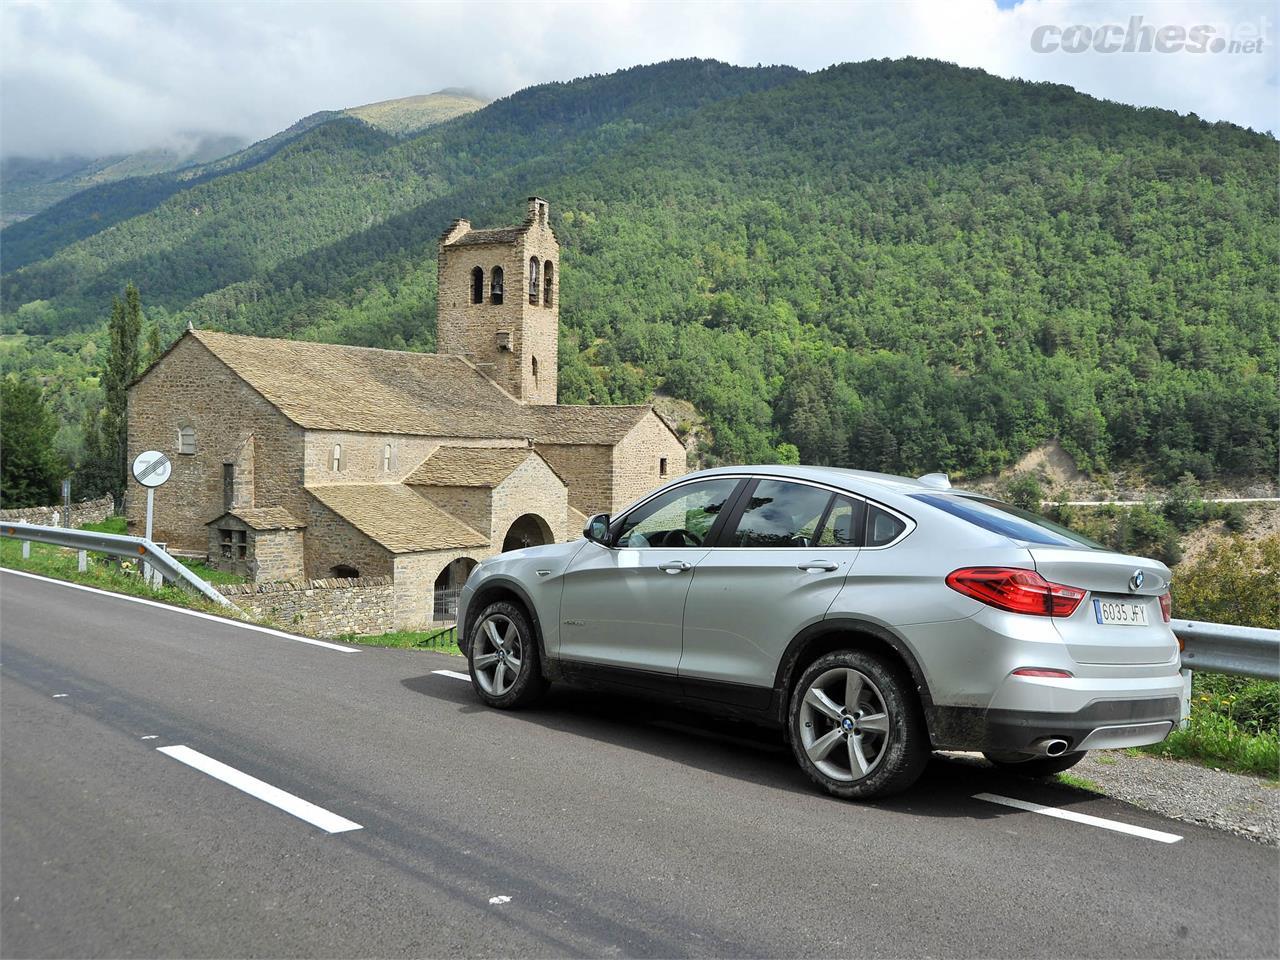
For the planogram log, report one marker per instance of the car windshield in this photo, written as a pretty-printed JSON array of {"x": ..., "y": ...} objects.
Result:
[{"x": 1003, "y": 518}]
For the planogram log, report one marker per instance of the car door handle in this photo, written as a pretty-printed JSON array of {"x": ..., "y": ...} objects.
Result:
[
  {"x": 675, "y": 566},
  {"x": 815, "y": 565}
]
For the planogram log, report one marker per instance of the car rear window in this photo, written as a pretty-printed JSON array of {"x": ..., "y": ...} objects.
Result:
[{"x": 1006, "y": 519}]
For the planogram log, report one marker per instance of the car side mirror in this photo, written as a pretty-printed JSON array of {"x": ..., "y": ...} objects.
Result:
[{"x": 597, "y": 529}]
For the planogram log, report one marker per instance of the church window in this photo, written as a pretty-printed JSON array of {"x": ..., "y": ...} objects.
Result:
[
  {"x": 386, "y": 458},
  {"x": 187, "y": 440},
  {"x": 548, "y": 269},
  {"x": 336, "y": 460},
  {"x": 495, "y": 286},
  {"x": 477, "y": 285},
  {"x": 533, "y": 280},
  {"x": 662, "y": 466},
  {"x": 535, "y": 373}
]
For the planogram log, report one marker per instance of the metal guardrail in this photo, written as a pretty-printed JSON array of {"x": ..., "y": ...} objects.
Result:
[
  {"x": 1223, "y": 648},
  {"x": 117, "y": 545}
]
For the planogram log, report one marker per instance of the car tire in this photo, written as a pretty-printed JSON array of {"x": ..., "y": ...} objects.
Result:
[
  {"x": 1033, "y": 766},
  {"x": 864, "y": 736},
  {"x": 503, "y": 636}
]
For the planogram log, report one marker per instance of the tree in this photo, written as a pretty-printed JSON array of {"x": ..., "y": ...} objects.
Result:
[
  {"x": 94, "y": 475},
  {"x": 30, "y": 469},
  {"x": 154, "y": 348},
  {"x": 122, "y": 366}
]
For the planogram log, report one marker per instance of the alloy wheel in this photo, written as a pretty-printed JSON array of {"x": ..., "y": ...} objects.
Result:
[
  {"x": 844, "y": 725},
  {"x": 497, "y": 654}
]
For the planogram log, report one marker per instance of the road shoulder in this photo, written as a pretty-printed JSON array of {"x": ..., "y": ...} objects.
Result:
[{"x": 1246, "y": 806}]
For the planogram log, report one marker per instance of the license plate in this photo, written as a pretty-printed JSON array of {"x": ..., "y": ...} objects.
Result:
[{"x": 1120, "y": 613}]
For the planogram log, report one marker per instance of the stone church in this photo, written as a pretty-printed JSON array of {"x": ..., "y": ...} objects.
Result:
[{"x": 297, "y": 460}]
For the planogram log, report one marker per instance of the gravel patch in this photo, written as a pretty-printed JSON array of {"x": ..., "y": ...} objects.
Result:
[{"x": 1247, "y": 806}]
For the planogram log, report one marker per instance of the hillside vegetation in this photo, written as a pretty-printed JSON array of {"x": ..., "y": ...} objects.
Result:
[
  {"x": 29, "y": 185},
  {"x": 411, "y": 114},
  {"x": 894, "y": 265}
]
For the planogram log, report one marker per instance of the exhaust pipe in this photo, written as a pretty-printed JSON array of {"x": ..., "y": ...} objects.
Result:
[{"x": 1050, "y": 747}]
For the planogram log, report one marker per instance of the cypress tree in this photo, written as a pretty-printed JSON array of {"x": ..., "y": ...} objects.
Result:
[{"x": 125, "y": 329}]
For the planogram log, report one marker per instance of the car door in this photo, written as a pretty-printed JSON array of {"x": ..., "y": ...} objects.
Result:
[
  {"x": 622, "y": 608},
  {"x": 776, "y": 569}
]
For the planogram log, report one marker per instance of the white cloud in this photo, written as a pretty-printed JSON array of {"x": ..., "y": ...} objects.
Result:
[{"x": 113, "y": 75}]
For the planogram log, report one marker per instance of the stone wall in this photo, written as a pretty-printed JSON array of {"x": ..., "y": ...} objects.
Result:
[
  {"x": 637, "y": 461},
  {"x": 86, "y": 511},
  {"x": 320, "y": 608},
  {"x": 531, "y": 488},
  {"x": 587, "y": 469},
  {"x": 331, "y": 540},
  {"x": 192, "y": 387}
]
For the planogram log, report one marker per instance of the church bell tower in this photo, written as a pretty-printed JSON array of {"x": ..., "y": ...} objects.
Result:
[{"x": 498, "y": 302}]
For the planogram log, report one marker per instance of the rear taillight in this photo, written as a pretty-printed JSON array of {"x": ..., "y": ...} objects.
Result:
[
  {"x": 1016, "y": 590},
  {"x": 1043, "y": 673},
  {"x": 1166, "y": 607}
]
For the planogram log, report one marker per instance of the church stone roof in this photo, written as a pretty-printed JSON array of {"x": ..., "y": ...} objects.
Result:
[
  {"x": 574, "y": 423},
  {"x": 469, "y": 466},
  {"x": 395, "y": 517},
  {"x": 325, "y": 386},
  {"x": 500, "y": 235},
  {"x": 263, "y": 518}
]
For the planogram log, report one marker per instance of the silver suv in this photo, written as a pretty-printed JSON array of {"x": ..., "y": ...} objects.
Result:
[{"x": 874, "y": 617}]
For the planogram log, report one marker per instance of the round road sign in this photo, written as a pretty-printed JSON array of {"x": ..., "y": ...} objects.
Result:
[{"x": 151, "y": 468}]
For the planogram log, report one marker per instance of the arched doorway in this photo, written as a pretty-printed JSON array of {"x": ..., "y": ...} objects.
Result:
[
  {"x": 447, "y": 587},
  {"x": 528, "y": 531}
]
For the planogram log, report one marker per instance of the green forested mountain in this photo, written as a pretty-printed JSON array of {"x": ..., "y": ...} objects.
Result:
[
  {"x": 30, "y": 184},
  {"x": 900, "y": 265}
]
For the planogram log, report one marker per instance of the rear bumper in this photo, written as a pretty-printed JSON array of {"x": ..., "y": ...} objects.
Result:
[{"x": 1103, "y": 724}]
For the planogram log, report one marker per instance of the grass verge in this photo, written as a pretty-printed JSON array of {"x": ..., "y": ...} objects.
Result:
[
  {"x": 102, "y": 572},
  {"x": 199, "y": 568},
  {"x": 437, "y": 641},
  {"x": 1217, "y": 740},
  {"x": 1079, "y": 782}
]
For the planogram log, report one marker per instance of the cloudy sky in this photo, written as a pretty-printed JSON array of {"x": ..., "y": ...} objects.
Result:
[{"x": 115, "y": 75}]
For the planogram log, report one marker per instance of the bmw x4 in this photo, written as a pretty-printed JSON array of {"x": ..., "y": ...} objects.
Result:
[{"x": 874, "y": 618}]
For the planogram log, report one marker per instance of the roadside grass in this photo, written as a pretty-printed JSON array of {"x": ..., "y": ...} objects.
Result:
[
  {"x": 198, "y": 567},
  {"x": 102, "y": 572},
  {"x": 1234, "y": 725},
  {"x": 1217, "y": 740},
  {"x": 1079, "y": 782},
  {"x": 442, "y": 640}
]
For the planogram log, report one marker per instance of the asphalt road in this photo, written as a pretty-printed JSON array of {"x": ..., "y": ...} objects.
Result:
[{"x": 614, "y": 828}]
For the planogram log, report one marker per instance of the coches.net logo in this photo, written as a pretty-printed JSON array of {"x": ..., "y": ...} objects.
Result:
[{"x": 1140, "y": 37}]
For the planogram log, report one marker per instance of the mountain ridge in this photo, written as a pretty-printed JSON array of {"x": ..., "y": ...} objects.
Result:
[{"x": 902, "y": 265}]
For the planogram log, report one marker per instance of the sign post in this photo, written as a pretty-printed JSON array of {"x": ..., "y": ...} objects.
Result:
[
  {"x": 66, "y": 502},
  {"x": 151, "y": 468}
]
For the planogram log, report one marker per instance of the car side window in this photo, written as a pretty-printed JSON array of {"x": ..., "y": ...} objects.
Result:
[
  {"x": 844, "y": 524},
  {"x": 681, "y": 517},
  {"x": 882, "y": 527},
  {"x": 780, "y": 514}
]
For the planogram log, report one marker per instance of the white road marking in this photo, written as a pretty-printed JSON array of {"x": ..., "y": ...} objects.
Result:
[
  {"x": 153, "y": 736},
  {"x": 454, "y": 673},
  {"x": 303, "y": 810},
  {"x": 190, "y": 613},
  {"x": 59, "y": 696},
  {"x": 1084, "y": 818},
  {"x": 499, "y": 900}
]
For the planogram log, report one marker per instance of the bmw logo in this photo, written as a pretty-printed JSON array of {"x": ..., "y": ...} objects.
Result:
[
  {"x": 847, "y": 723},
  {"x": 1135, "y": 582}
]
